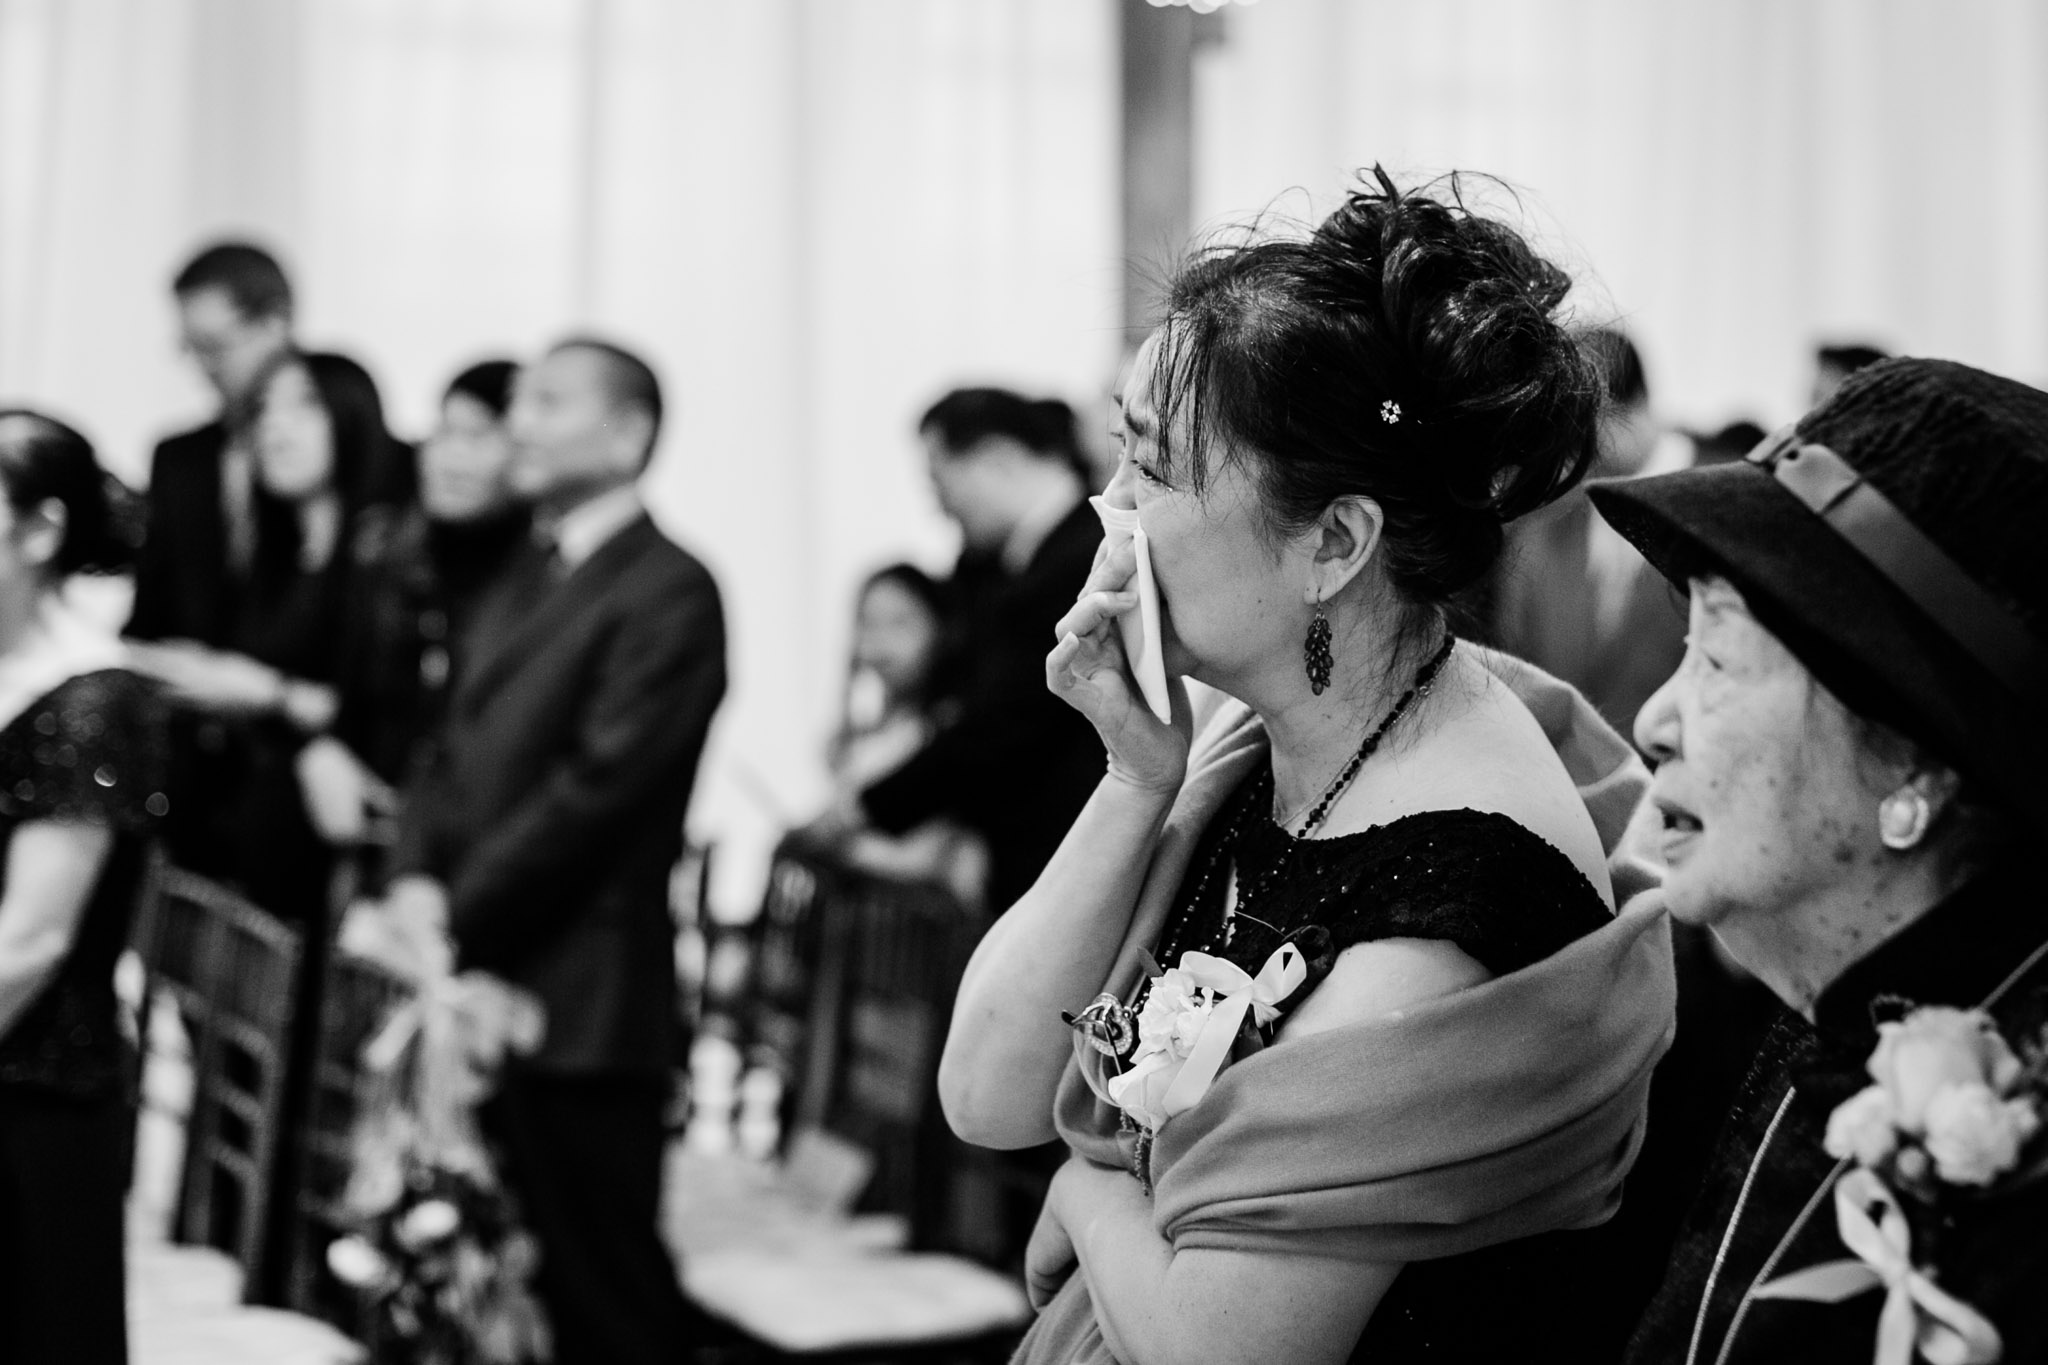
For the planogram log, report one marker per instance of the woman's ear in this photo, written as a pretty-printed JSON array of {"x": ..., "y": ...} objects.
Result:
[{"x": 1342, "y": 542}]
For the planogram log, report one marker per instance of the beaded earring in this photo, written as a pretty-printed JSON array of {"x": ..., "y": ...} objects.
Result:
[{"x": 1315, "y": 652}]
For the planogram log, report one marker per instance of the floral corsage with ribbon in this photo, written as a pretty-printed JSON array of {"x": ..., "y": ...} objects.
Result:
[
  {"x": 1157, "y": 1059},
  {"x": 1954, "y": 1117}
]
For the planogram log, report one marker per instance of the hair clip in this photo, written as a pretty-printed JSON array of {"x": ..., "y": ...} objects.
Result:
[{"x": 1390, "y": 412}]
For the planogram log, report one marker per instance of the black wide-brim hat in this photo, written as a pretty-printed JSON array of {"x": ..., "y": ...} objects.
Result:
[{"x": 1961, "y": 458}]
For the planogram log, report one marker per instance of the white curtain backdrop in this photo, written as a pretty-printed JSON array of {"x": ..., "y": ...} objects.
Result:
[
  {"x": 813, "y": 216},
  {"x": 1742, "y": 177}
]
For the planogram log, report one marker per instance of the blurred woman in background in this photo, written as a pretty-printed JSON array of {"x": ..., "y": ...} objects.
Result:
[
  {"x": 81, "y": 790},
  {"x": 895, "y": 689},
  {"x": 419, "y": 572}
]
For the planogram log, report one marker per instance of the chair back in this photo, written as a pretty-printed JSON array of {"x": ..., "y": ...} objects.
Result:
[
  {"x": 357, "y": 999},
  {"x": 230, "y": 971},
  {"x": 905, "y": 946},
  {"x": 791, "y": 998}
]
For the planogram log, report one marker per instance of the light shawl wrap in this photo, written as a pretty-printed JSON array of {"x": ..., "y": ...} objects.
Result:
[{"x": 1502, "y": 1111}]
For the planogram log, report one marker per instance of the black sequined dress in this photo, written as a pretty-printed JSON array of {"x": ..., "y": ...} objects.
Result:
[
  {"x": 90, "y": 751},
  {"x": 1508, "y": 899}
]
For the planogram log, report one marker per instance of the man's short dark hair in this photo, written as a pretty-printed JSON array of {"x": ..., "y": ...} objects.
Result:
[
  {"x": 1848, "y": 356},
  {"x": 1621, "y": 367},
  {"x": 628, "y": 380},
  {"x": 250, "y": 277}
]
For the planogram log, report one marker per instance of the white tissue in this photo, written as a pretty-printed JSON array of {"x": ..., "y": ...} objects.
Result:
[{"x": 1140, "y": 629}]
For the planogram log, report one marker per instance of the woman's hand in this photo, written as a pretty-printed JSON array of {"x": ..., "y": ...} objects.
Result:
[
  {"x": 1088, "y": 670},
  {"x": 1049, "y": 1257},
  {"x": 347, "y": 803}
]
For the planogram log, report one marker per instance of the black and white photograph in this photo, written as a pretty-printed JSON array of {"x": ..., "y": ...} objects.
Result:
[{"x": 1066, "y": 682}]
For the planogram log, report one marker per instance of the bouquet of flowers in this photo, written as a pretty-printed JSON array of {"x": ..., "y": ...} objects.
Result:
[
  {"x": 438, "y": 1253},
  {"x": 1954, "y": 1113}
]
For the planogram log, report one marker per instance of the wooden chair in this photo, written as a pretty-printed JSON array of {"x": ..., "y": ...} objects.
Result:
[
  {"x": 880, "y": 962},
  {"x": 229, "y": 969},
  {"x": 358, "y": 997}
]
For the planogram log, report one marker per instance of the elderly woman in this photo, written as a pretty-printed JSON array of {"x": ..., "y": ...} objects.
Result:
[
  {"x": 1849, "y": 762},
  {"x": 1389, "y": 1088}
]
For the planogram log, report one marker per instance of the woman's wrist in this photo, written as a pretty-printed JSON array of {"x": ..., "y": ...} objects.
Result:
[{"x": 1153, "y": 788}]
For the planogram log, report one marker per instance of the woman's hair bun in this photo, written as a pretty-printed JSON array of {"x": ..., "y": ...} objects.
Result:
[
  {"x": 44, "y": 460},
  {"x": 1411, "y": 349}
]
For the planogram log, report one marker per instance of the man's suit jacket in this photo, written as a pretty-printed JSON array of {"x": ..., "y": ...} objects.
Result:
[
  {"x": 184, "y": 586},
  {"x": 554, "y": 809},
  {"x": 1019, "y": 763}
]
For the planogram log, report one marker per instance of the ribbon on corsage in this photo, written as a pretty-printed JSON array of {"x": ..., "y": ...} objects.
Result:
[
  {"x": 1190, "y": 1020},
  {"x": 1917, "y": 1312}
]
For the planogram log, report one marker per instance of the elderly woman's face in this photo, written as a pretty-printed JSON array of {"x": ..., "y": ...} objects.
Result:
[
  {"x": 466, "y": 465},
  {"x": 1229, "y": 602},
  {"x": 1766, "y": 797}
]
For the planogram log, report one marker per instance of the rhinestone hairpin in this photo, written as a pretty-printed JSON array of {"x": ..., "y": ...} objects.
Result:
[{"x": 1390, "y": 412}]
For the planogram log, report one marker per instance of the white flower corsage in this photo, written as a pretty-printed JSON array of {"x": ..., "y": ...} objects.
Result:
[{"x": 1951, "y": 1113}]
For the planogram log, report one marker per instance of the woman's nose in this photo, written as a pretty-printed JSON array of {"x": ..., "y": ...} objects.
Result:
[
  {"x": 1657, "y": 723},
  {"x": 1122, "y": 491}
]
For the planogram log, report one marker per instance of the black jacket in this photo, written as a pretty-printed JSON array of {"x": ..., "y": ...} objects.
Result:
[
  {"x": 553, "y": 809},
  {"x": 1018, "y": 764},
  {"x": 1994, "y": 1255},
  {"x": 184, "y": 586}
]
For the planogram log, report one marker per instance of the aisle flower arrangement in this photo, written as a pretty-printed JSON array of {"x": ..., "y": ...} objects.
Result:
[{"x": 438, "y": 1255}]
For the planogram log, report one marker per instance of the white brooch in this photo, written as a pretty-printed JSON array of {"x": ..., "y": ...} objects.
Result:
[{"x": 1390, "y": 412}]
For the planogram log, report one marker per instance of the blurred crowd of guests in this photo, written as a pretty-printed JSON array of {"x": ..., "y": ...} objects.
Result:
[
  {"x": 462, "y": 687},
  {"x": 466, "y": 685}
]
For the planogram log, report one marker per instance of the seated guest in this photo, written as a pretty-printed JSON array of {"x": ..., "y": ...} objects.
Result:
[
  {"x": 419, "y": 573},
  {"x": 1571, "y": 596},
  {"x": 1849, "y": 779},
  {"x": 234, "y": 321},
  {"x": 81, "y": 771},
  {"x": 1015, "y": 766},
  {"x": 1374, "y": 838}
]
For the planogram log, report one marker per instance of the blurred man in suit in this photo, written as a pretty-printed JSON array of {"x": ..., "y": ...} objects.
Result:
[
  {"x": 544, "y": 836},
  {"x": 234, "y": 321},
  {"x": 1014, "y": 767}
]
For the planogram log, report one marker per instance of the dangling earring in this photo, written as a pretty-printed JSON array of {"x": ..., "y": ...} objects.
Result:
[
  {"x": 1903, "y": 817},
  {"x": 1315, "y": 652}
]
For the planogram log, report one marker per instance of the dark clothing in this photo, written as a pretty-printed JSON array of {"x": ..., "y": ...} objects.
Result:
[
  {"x": 554, "y": 809},
  {"x": 585, "y": 1154},
  {"x": 1573, "y": 598},
  {"x": 187, "y": 588},
  {"x": 91, "y": 751},
  {"x": 1507, "y": 899},
  {"x": 553, "y": 812},
  {"x": 63, "y": 1272},
  {"x": 417, "y": 585},
  {"x": 1993, "y": 1256},
  {"x": 1018, "y": 763}
]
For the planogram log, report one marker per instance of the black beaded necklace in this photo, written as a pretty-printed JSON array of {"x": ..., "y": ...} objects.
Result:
[{"x": 1258, "y": 802}]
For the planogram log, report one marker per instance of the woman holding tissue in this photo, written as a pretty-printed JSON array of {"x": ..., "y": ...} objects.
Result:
[
  {"x": 81, "y": 791},
  {"x": 1393, "y": 1072}
]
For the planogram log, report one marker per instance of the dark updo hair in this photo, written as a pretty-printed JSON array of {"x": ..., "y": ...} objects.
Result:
[
  {"x": 1410, "y": 351},
  {"x": 489, "y": 382},
  {"x": 1046, "y": 427},
  {"x": 42, "y": 460}
]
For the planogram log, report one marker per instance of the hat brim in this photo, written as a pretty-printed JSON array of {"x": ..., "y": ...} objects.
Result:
[{"x": 1848, "y": 624}]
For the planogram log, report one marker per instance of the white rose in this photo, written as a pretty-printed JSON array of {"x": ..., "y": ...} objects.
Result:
[
  {"x": 1933, "y": 1048},
  {"x": 1974, "y": 1136},
  {"x": 1864, "y": 1127},
  {"x": 429, "y": 1221},
  {"x": 1174, "y": 1013},
  {"x": 356, "y": 1263}
]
